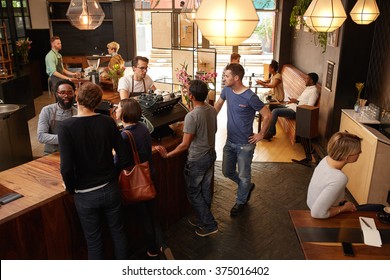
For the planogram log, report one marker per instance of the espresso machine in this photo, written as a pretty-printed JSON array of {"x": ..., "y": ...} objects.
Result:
[{"x": 93, "y": 63}]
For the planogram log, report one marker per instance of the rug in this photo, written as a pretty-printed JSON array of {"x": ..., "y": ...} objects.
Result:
[{"x": 263, "y": 231}]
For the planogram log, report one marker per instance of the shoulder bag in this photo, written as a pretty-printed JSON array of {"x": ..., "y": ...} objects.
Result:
[{"x": 135, "y": 181}]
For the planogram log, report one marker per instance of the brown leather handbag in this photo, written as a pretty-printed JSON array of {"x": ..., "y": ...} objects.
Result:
[{"x": 135, "y": 181}]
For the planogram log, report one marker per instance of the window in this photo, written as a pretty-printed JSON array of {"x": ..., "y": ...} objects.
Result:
[
  {"x": 255, "y": 51},
  {"x": 21, "y": 14}
]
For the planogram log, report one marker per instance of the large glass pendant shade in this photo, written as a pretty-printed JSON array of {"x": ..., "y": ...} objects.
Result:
[
  {"x": 325, "y": 15},
  {"x": 85, "y": 14},
  {"x": 226, "y": 22}
]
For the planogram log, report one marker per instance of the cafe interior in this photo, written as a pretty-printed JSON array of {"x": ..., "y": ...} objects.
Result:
[{"x": 345, "y": 42}]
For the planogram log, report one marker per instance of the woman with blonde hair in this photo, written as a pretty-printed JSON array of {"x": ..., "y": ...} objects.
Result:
[
  {"x": 326, "y": 191},
  {"x": 113, "y": 48}
]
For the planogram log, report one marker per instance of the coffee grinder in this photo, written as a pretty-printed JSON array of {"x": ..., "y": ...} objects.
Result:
[{"x": 93, "y": 63}]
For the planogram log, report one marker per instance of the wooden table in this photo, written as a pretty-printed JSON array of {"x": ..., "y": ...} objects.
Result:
[{"x": 321, "y": 239}]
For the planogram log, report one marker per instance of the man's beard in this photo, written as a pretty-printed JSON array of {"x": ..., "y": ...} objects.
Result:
[{"x": 64, "y": 105}]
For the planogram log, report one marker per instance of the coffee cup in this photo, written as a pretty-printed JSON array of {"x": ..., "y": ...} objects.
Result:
[{"x": 387, "y": 209}]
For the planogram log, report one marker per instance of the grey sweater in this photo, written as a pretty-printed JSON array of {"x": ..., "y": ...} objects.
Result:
[{"x": 49, "y": 119}]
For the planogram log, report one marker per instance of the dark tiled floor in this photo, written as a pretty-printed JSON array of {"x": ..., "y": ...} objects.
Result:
[{"x": 263, "y": 231}]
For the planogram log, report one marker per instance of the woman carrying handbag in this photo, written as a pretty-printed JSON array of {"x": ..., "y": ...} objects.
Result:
[{"x": 129, "y": 112}]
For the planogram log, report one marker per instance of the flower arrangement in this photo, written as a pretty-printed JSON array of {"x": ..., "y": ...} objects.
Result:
[
  {"x": 23, "y": 46},
  {"x": 359, "y": 86},
  {"x": 207, "y": 77},
  {"x": 359, "y": 102},
  {"x": 115, "y": 73},
  {"x": 184, "y": 78}
]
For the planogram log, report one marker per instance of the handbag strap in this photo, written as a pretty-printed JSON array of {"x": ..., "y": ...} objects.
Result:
[{"x": 133, "y": 147}]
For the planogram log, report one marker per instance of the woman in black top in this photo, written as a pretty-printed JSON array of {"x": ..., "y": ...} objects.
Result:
[{"x": 87, "y": 167}]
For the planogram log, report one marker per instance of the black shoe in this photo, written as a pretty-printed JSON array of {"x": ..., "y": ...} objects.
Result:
[
  {"x": 194, "y": 222},
  {"x": 250, "y": 192},
  {"x": 203, "y": 232},
  {"x": 237, "y": 209}
]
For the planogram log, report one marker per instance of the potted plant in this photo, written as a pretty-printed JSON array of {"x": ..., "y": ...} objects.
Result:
[
  {"x": 298, "y": 11},
  {"x": 23, "y": 47},
  {"x": 296, "y": 18}
]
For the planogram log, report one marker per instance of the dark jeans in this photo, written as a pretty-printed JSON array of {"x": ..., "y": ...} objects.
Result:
[
  {"x": 281, "y": 111},
  {"x": 92, "y": 208},
  {"x": 198, "y": 175},
  {"x": 146, "y": 217}
]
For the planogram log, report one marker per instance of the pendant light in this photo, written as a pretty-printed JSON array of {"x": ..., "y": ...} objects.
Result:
[
  {"x": 365, "y": 11},
  {"x": 226, "y": 22},
  {"x": 325, "y": 15},
  {"x": 85, "y": 14},
  {"x": 189, "y": 9}
]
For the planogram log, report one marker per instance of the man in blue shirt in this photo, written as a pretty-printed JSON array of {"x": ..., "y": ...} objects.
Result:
[{"x": 242, "y": 104}]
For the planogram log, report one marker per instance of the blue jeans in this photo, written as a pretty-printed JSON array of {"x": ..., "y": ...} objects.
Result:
[
  {"x": 198, "y": 175},
  {"x": 280, "y": 112},
  {"x": 95, "y": 207},
  {"x": 240, "y": 155}
]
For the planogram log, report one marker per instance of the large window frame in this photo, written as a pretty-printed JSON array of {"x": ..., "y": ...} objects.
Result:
[{"x": 254, "y": 51}]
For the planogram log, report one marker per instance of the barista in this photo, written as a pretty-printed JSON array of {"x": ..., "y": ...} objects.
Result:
[
  {"x": 139, "y": 82},
  {"x": 54, "y": 66}
]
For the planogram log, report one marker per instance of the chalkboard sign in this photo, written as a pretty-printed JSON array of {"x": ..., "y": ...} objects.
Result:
[
  {"x": 83, "y": 42},
  {"x": 329, "y": 75}
]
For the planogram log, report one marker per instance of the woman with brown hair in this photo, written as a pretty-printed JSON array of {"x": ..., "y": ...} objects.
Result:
[
  {"x": 129, "y": 112},
  {"x": 87, "y": 167}
]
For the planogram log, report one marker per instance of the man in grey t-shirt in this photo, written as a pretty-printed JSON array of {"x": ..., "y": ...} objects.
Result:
[{"x": 200, "y": 126}]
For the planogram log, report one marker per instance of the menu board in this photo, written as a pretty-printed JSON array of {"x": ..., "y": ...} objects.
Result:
[{"x": 329, "y": 75}]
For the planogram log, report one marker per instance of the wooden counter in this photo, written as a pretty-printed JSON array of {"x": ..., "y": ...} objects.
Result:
[
  {"x": 369, "y": 176},
  {"x": 43, "y": 224}
]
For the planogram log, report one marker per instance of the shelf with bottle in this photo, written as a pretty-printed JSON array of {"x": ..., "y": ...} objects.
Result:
[{"x": 5, "y": 56}]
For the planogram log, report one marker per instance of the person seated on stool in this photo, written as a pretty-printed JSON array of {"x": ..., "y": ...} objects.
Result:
[
  {"x": 326, "y": 192},
  {"x": 308, "y": 97},
  {"x": 274, "y": 83},
  {"x": 139, "y": 82}
]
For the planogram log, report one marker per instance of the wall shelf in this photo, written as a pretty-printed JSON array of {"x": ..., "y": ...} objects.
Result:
[{"x": 5, "y": 56}]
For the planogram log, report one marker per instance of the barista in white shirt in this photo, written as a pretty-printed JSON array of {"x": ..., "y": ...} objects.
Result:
[{"x": 137, "y": 83}]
